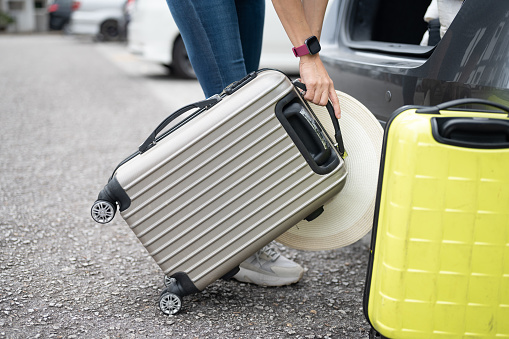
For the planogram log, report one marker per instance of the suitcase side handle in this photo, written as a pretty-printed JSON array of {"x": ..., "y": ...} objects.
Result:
[
  {"x": 200, "y": 104},
  {"x": 308, "y": 132},
  {"x": 461, "y": 102},
  {"x": 337, "y": 130}
]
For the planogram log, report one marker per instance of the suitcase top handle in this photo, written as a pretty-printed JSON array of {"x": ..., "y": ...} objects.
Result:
[
  {"x": 469, "y": 131},
  {"x": 200, "y": 104},
  {"x": 461, "y": 102}
]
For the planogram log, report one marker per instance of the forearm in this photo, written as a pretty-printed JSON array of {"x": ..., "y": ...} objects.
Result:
[
  {"x": 315, "y": 11},
  {"x": 293, "y": 18},
  {"x": 301, "y": 18}
]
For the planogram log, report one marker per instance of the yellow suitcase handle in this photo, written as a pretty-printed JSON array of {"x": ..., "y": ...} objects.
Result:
[
  {"x": 462, "y": 102},
  {"x": 469, "y": 131}
]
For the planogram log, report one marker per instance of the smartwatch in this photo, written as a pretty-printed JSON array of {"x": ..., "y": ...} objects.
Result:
[{"x": 311, "y": 46}]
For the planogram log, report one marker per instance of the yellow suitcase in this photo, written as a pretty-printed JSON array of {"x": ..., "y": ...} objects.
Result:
[{"x": 439, "y": 259}]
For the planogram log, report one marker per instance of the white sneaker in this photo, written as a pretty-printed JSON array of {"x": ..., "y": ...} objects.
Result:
[{"x": 268, "y": 268}]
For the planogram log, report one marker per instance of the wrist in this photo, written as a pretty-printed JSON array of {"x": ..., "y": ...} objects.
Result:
[
  {"x": 309, "y": 57},
  {"x": 311, "y": 46}
]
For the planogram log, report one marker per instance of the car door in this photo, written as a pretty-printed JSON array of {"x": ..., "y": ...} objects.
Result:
[{"x": 372, "y": 51}]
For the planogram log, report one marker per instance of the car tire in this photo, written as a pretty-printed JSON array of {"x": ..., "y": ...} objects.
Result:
[
  {"x": 66, "y": 28},
  {"x": 109, "y": 31},
  {"x": 181, "y": 66}
]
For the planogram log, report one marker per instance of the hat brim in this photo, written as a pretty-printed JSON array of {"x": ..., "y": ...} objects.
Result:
[{"x": 349, "y": 215}]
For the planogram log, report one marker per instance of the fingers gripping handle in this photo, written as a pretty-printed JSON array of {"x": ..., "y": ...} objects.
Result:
[
  {"x": 337, "y": 130},
  {"x": 200, "y": 104}
]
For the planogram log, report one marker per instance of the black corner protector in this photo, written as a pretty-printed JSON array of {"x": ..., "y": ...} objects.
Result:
[
  {"x": 231, "y": 274},
  {"x": 119, "y": 195},
  {"x": 185, "y": 284}
]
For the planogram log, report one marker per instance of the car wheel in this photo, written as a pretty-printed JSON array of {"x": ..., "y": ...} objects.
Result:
[
  {"x": 110, "y": 31},
  {"x": 181, "y": 66},
  {"x": 66, "y": 28}
]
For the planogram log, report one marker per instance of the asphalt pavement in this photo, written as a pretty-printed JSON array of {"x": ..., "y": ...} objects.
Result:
[{"x": 70, "y": 110}]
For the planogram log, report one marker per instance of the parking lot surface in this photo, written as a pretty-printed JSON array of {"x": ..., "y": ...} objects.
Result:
[{"x": 70, "y": 111}]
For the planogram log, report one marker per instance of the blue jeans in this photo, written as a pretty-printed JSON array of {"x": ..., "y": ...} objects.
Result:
[{"x": 223, "y": 38}]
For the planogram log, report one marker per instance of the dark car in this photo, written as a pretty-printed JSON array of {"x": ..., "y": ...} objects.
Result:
[
  {"x": 371, "y": 49},
  {"x": 59, "y": 12}
]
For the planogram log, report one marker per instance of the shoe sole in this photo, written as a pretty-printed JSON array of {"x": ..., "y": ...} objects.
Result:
[{"x": 245, "y": 276}]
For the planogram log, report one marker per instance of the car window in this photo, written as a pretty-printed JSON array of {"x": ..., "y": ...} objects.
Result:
[{"x": 394, "y": 26}]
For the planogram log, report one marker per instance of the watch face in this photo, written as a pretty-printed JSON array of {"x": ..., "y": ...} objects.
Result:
[{"x": 313, "y": 45}]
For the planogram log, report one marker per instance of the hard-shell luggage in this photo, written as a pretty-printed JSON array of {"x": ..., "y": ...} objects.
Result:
[
  {"x": 225, "y": 181},
  {"x": 439, "y": 259}
]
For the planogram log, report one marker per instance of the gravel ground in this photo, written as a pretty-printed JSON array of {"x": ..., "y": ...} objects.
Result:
[{"x": 68, "y": 116}]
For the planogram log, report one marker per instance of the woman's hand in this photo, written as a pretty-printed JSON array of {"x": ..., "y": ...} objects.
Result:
[
  {"x": 319, "y": 86},
  {"x": 302, "y": 19}
]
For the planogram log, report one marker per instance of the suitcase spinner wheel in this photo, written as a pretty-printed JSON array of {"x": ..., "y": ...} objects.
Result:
[
  {"x": 167, "y": 280},
  {"x": 104, "y": 208},
  {"x": 170, "y": 302},
  {"x": 103, "y": 211}
]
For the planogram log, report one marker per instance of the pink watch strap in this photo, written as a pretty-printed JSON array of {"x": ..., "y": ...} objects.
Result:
[{"x": 300, "y": 51}]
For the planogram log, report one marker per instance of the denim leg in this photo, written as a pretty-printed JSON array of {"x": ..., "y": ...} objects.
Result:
[
  {"x": 210, "y": 30},
  {"x": 251, "y": 16}
]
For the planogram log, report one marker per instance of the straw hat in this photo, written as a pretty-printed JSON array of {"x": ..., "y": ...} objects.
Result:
[{"x": 349, "y": 215}]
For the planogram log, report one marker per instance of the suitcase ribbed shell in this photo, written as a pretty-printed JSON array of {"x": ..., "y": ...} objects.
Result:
[{"x": 223, "y": 185}]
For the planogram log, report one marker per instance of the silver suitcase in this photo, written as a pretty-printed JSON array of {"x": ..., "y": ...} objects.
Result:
[{"x": 226, "y": 180}]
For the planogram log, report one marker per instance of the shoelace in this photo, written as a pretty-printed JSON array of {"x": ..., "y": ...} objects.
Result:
[{"x": 269, "y": 251}]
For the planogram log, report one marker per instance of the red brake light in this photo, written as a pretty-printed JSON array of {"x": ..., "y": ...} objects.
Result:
[
  {"x": 75, "y": 5},
  {"x": 53, "y": 8}
]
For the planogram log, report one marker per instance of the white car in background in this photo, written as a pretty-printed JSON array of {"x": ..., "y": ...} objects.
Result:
[
  {"x": 102, "y": 19},
  {"x": 154, "y": 36}
]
